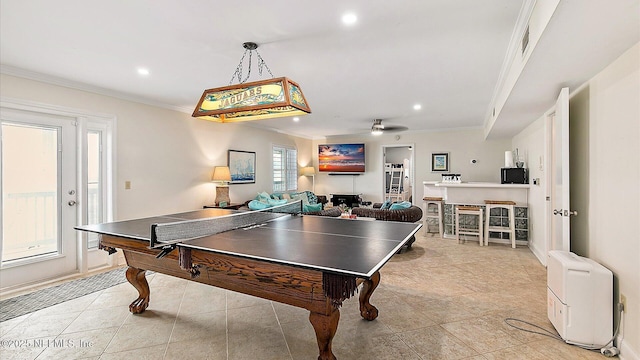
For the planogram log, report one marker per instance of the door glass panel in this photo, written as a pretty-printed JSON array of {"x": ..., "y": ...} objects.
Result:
[
  {"x": 94, "y": 184},
  {"x": 30, "y": 183}
]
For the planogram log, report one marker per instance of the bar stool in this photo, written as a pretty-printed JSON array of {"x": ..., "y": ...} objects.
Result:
[
  {"x": 469, "y": 210},
  {"x": 437, "y": 202},
  {"x": 511, "y": 229}
]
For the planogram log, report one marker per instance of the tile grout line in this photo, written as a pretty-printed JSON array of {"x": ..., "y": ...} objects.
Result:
[
  {"x": 286, "y": 343},
  {"x": 173, "y": 328}
]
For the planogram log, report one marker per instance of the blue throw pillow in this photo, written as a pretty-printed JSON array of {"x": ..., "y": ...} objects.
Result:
[
  {"x": 274, "y": 202},
  {"x": 263, "y": 197},
  {"x": 313, "y": 199},
  {"x": 385, "y": 205},
  {"x": 258, "y": 205},
  {"x": 311, "y": 208},
  {"x": 399, "y": 206},
  {"x": 301, "y": 196}
]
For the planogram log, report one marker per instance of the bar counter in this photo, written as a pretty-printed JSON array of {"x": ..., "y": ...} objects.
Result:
[{"x": 475, "y": 193}]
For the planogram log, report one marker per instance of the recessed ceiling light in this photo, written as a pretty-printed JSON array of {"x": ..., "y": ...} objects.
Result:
[
  {"x": 417, "y": 107},
  {"x": 143, "y": 71},
  {"x": 349, "y": 18},
  {"x": 296, "y": 119}
]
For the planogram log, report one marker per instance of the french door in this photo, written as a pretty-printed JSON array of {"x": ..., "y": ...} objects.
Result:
[{"x": 39, "y": 196}]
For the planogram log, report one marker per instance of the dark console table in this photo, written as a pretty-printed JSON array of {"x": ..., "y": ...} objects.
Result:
[{"x": 349, "y": 200}]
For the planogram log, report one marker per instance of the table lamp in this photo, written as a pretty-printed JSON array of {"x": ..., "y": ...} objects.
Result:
[
  {"x": 222, "y": 176},
  {"x": 310, "y": 171}
]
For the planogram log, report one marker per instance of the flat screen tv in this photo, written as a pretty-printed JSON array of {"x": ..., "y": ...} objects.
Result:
[{"x": 341, "y": 158}]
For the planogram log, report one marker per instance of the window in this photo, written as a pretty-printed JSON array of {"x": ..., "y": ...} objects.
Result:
[
  {"x": 285, "y": 168},
  {"x": 95, "y": 184}
]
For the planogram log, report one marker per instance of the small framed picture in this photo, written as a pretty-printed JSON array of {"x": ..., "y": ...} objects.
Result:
[
  {"x": 440, "y": 162},
  {"x": 242, "y": 166}
]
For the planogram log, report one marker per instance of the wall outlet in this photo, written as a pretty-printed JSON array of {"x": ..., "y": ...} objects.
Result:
[{"x": 623, "y": 301}]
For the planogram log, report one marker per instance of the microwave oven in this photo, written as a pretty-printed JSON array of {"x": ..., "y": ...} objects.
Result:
[{"x": 514, "y": 176}]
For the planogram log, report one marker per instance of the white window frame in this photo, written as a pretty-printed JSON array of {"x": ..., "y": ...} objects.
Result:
[
  {"x": 102, "y": 128},
  {"x": 89, "y": 257},
  {"x": 288, "y": 171},
  {"x": 85, "y": 120}
]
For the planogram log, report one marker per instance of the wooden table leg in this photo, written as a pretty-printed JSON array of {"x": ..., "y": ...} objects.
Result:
[
  {"x": 368, "y": 311},
  {"x": 136, "y": 277},
  {"x": 325, "y": 327}
]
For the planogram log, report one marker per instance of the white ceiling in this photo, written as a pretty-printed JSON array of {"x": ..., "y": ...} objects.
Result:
[{"x": 443, "y": 54}]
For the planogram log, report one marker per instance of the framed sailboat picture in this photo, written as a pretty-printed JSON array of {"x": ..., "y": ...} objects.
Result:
[{"x": 242, "y": 166}]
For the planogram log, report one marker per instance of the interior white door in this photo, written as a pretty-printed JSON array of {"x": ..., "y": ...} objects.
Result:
[
  {"x": 560, "y": 224},
  {"x": 38, "y": 197}
]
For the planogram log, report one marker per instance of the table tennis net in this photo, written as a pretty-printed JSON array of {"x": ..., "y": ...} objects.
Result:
[{"x": 173, "y": 232}]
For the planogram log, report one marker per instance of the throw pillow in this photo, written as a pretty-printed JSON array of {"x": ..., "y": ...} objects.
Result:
[
  {"x": 399, "y": 206},
  {"x": 263, "y": 197},
  {"x": 274, "y": 202},
  {"x": 301, "y": 196},
  {"x": 286, "y": 196},
  {"x": 258, "y": 205},
  {"x": 385, "y": 205},
  {"x": 311, "y": 208},
  {"x": 313, "y": 199}
]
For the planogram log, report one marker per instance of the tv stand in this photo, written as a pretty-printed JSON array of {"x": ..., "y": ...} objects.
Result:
[{"x": 349, "y": 200}]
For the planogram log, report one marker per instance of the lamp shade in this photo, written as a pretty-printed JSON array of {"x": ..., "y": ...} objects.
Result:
[
  {"x": 221, "y": 174},
  {"x": 308, "y": 171},
  {"x": 257, "y": 100}
]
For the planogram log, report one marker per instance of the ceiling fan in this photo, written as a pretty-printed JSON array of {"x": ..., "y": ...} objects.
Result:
[{"x": 378, "y": 128}]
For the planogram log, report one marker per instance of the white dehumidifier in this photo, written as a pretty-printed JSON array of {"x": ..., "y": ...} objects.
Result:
[{"x": 579, "y": 299}]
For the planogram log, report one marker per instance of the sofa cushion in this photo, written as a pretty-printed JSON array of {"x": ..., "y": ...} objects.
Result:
[
  {"x": 274, "y": 202},
  {"x": 313, "y": 199},
  {"x": 401, "y": 205},
  {"x": 411, "y": 214},
  {"x": 258, "y": 205},
  {"x": 263, "y": 197},
  {"x": 311, "y": 208},
  {"x": 301, "y": 196}
]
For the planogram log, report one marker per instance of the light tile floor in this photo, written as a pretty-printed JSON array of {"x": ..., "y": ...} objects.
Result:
[{"x": 440, "y": 300}]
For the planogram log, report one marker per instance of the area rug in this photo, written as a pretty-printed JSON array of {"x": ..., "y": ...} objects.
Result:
[{"x": 24, "y": 304}]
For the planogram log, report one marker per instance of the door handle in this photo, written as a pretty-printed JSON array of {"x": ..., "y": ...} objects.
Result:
[
  {"x": 71, "y": 202},
  {"x": 565, "y": 212}
]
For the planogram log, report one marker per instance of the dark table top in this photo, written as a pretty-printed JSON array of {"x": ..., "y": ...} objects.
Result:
[{"x": 336, "y": 245}]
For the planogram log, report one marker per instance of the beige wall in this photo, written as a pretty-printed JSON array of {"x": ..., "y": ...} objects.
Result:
[
  {"x": 168, "y": 156},
  {"x": 462, "y": 146},
  {"x": 605, "y": 181},
  {"x": 531, "y": 145},
  {"x": 614, "y": 195}
]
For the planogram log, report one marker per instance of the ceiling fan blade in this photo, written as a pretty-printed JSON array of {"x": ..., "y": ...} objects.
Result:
[{"x": 395, "y": 128}]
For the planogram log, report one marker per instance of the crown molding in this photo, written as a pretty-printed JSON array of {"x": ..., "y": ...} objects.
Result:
[{"x": 76, "y": 85}]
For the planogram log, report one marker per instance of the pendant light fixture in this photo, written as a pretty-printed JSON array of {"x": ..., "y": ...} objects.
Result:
[{"x": 247, "y": 101}]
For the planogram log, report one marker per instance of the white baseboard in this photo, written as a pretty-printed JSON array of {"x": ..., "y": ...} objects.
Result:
[{"x": 626, "y": 352}]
